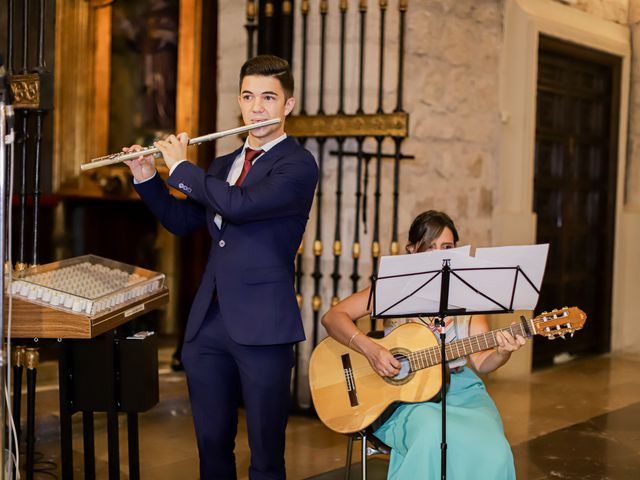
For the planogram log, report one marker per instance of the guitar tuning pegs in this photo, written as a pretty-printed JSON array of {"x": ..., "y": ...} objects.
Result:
[
  {"x": 552, "y": 337},
  {"x": 562, "y": 337},
  {"x": 571, "y": 335}
]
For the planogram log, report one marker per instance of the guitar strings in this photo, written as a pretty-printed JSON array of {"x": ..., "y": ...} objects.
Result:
[{"x": 434, "y": 351}]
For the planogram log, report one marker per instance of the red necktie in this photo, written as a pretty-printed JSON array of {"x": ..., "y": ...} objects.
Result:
[{"x": 249, "y": 156}]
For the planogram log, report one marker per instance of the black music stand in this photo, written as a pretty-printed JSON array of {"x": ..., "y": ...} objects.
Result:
[{"x": 439, "y": 281}]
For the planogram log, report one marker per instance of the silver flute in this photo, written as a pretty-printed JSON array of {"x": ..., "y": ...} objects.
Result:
[{"x": 151, "y": 150}]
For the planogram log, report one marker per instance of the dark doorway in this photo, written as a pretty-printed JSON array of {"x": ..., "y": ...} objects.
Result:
[{"x": 575, "y": 189}]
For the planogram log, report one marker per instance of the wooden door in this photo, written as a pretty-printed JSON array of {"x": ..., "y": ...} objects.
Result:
[{"x": 574, "y": 189}]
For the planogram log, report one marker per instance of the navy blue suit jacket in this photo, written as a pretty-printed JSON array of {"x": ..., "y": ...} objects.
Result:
[{"x": 251, "y": 260}]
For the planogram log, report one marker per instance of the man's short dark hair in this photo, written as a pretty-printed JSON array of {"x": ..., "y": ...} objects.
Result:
[{"x": 269, "y": 66}]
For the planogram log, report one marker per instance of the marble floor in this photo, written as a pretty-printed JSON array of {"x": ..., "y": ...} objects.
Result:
[{"x": 576, "y": 420}]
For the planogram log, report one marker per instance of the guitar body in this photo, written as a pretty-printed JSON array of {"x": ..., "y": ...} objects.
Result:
[
  {"x": 371, "y": 394},
  {"x": 349, "y": 396}
]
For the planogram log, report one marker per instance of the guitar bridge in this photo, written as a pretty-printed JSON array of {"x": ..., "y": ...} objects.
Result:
[{"x": 350, "y": 381}]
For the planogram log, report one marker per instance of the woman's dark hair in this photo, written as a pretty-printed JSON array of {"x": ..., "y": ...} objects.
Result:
[
  {"x": 428, "y": 226},
  {"x": 269, "y": 66}
]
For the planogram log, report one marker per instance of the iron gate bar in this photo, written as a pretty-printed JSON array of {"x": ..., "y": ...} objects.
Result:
[
  {"x": 251, "y": 27},
  {"x": 316, "y": 302},
  {"x": 375, "y": 246},
  {"x": 305, "y": 32},
  {"x": 299, "y": 274},
  {"x": 10, "y": 38},
  {"x": 285, "y": 27},
  {"x": 355, "y": 248},
  {"x": 22, "y": 141},
  {"x": 337, "y": 241},
  {"x": 40, "y": 112},
  {"x": 402, "y": 7}
]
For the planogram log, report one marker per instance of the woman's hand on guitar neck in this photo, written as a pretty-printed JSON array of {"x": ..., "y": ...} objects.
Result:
[
  {"x": 507, "y": 343},
  {"x": 380, "y": 359},
  {"x": 490, "y": 360}
]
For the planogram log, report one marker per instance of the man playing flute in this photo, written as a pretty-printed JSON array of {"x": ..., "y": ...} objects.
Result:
[{"x": 244, "y": 320}]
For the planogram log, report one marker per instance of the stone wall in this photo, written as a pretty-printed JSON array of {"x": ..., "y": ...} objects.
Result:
[
  {"x": 611, "y": 10},
  {"x": 453, "y": 55},
  {"x": 632, "y": 193}
]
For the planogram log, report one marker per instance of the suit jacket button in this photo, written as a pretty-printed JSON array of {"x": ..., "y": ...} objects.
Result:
[{"x": 221, "y": 243}]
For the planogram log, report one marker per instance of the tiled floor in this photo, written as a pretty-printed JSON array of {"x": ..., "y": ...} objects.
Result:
[{"x": 576, "y": 420}]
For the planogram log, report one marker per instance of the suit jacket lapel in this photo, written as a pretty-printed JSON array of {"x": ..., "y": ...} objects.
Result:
[
  {"x": 264, "y": 162},
  {"x": 261, "y": 166}
]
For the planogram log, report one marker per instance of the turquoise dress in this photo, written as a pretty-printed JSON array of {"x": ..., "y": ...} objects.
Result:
[{"x": 476, "y": 445}]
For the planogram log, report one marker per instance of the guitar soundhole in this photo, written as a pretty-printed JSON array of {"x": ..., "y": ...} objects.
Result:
[{"x": 405, "y": 368}]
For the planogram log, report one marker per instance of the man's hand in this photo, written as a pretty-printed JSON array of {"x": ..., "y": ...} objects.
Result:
[
  {"x": 143, "y": 167},
  {"x": 173, "y": 148}
]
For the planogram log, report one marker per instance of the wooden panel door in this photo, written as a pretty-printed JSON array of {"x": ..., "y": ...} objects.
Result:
[{"x": 574, "y": 189}]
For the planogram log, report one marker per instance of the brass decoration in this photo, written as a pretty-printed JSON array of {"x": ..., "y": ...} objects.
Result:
[
  {"x": 299, "y": 299},
  {"x": 304, "y": 7},
  {"x": 251, "y": 11},
  {"x": 357, "y": 125},
  {"x": 301, "y": 247},
  {"x": 324, "y": 6},
  {"x": 355, "y": 250},
  {"x": 334, "y": 301},
  {"x": 403, "y": 5},
  {"x": 337, "y": 248},
  {"x": 384, "y": 4},
  {"x": 317, "y": 248},
  {"x": 21, "y": 266},
  {"x": 363, "y": 5},
  {"x": 32, "y": 91},
  {"x": 316, "y": 303},
  {"x": 375, "y": 249},
  {"x": 395, "y": 248},
  {"x": 344, "y": 4},
  {"x": 18, "y": 356},
  {"x": 286, "y": 7},
  {"x": 32, "y": 358},
  {"x": 268, "y": 9}
]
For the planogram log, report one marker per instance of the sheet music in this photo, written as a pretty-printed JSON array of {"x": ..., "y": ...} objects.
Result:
[
  {"x": 532, "y": 260},
  {"x": 406, "y": 276},
  {"x": 498, "y": 278}
]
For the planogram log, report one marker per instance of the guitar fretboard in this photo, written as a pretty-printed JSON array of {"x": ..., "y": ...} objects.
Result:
[{"x": 466, "y": 346}]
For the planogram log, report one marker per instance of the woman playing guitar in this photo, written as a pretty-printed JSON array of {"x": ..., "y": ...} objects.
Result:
[{"x": 477, "y": 446}]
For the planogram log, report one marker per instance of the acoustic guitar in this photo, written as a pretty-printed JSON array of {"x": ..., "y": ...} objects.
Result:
[{"x": 349, "y": 396}]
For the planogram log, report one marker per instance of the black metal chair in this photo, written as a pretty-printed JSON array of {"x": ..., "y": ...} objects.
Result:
[{"x": 370, "y": 446}]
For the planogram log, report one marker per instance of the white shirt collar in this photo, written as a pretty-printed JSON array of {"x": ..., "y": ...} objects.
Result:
[{"x": 267, "y": 146}]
